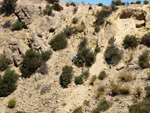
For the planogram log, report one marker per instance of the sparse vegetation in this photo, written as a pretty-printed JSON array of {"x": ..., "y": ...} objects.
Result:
[
  {"x": 80, "y": 28},
  {"x": 78, "y": 110},
  {"x": 75, "y": 20},
  {"x": 67, "y": 4},
  {"x": 132, "y": 3},
  {"x": 48, "y": 10},
  {"x": 79, "y": 79},
  {"x": 116, "y": 2},
  {"x": 73, "y": 3},
  {"x": 11, "y": 103},
  {"x": 8, "y": 83},
  {"x": 57, "y": 7},
  {"x": 130, "y": 41},
  {"x": 146, "y": 40},
  {"x": 68, "y": 31},
  {"x": 59, "y": 42},
  {"x": 124, "y": 76},
  {"x": 112, "y": 55},
  {"x": 144, "y": 60},
  {"x": 100, "y": 4},
  {"x": 86, "y": 103},
  {"x": 52, "y": 1},
  {"x": 146, "y": 2},
  {"x": 4, "y": 62},
  {"x": 20, "y": 112},
  {"x": 138, "y": 2},
  {"x": 18, "y": 25},
  {"x": 102, "y": 106},
  {"x": 66, "y": 76},
  {"x": 93, "y": 79},
  {"x": 102, "y": 75},
  {"x": 46, "y": 55},
  {"x": 147, "y": 92}
]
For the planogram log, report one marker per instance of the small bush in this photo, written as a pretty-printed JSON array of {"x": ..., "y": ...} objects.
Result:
[
  {"x": 116, "y": 2},
  {"x": 130, "y": 41},
  {"x": 66, "y": 76},
  {"x": 147, "y": 91},
  {"x": 132, "y": 3},
  {"x": 112, "y": 55},
  {"x": 80, "y": 28},
  {"x": 52, "y": 1},
  {"x": 78, "y": 110},
  {"x": 138, "y": 2},
  {"x": 67, "y": 4},
  {"x": 97, "y": 29},
  {"x": 20, "y": 112},
  {"x": 93, "y": 79},
  {"x": 48, "y": 10},
  {"x": 8, "y": 83},
  {"x": 18, "y": 25},
  {"x": 97, "y": 49},
  {"x": 141, "y": 107},
  {"x": 11, "y": 103},
  {"x": 79, "y": 79},
  {"x": 73, "y": 3},
  {"x": 4, "y": 62},
  {"x": 86, "y": 103},
  {"x": 102, "y": 106},
  {"x": 46, "y": 55},
  {"x": 100, "y": 4},
  {"x": 75, "y": 20},
  {"x": 68, "y": 31},
  {"x": 75, "y": 10},
  {"x": 124, "y": 76},
  {"x": 124, "y": 90},
  {"x": 102, "y": 75},
  {"x": 59, "y": 42},
  {"x": 144, "y": 60},
  {"x": 57, "y": 7},
  {"x": 146, "y": 40},
  {"x": 146, "y": 2},
  {"x": 39, "y": 35},
  {"x": 111, "y": 41},
  {"x": 31, "y": 61}
]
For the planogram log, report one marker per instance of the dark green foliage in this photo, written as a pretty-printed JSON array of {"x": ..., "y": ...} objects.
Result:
[
  {"x": 146, "y": 40},
  {"x": 57, "y": 7},
  {"x": 46, "y": 55},
  {"x": 102, "y": 75},
  {"x": 73, "y": 3},
  {"x": 11, "y": 103},
  {"x": 18, "y": 25},
  {"x": 111, "y": 41},
  {"x": 67, "y": 4},
  {"x": 4, "y": 62},
  {"x": 112, "y": 55},
  {"x": 48, "y": 10},
  {"x": 90, "y": 7},
  {"x": 97, "y": 29},
  {"x": 31, "y": 61},
  {"x": 84, "y": 56},
  {"x": 102, "y": 106},
  {"x": 52, "y": 1},
  {"x": 8, "y": 83},
  {"x": 123, "y": 3},
  {"x": 97, "y": 49},
  {"x": 79, "y": 79},
  {"x": 68, "y": 31},
  {"x": 39, "y": 35},
  {"x": 130, "y": 41},
  {"x": 132, "y": 3},
  {"x": 59, "y": 42},
  {"x": 9, "y": 5},
  {"x": 141, "y": 107},
  {"x": 20, "y": 112},
  {"x": 100, "y": 4},
  {"x": 146, "y": 2},
  {"x": 75, "y": 20},
  {"x": 138, "y": 2},
  {"x": 66, "y": 76},
  {"x": 144, "y": 60},
  {"x": 116, "y": 2},
  {"x": 147, "y": 91},
  {"x": 78, "y": 110},
  {"x": 86, "y": 103}
]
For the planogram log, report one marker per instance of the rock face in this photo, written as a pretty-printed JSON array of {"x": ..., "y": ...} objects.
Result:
[{"x": 2, "y": 110}]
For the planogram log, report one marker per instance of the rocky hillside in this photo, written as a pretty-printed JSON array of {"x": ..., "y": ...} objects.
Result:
[{"x": 43, "y": 93}]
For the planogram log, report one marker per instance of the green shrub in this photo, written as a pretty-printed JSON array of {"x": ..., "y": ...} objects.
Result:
[
  {"x": 57, "y": 7},
  {"x": 67, "y": 4},
  {"x": 18, "y": 25},
  {"x": 75, "y": 20},
  {"x": 132, "y": 3},
  {"x": 97, "y": 49},
  {"x": 112, "y": 55},
  {"x": 102, "y": 75},
  {"x": 8, "y": 83},
  {"x": 100, "y": 4},
  {"x": 4, "y": 62},
  {"x": 93, "y": 79},
  {"x": 86, "y": 103},
  {"x": 59, "y": 42},
  {"x": 20, "y": 112},
  {"x": 75, "y": 10},
  {"x": 97, "y": 29},
  {"x": 111, "y": 41},
  {"x": 48, "y": 10},
  {"x": 46, "y": 55},
  {"x": 80, "y": 28},
  {"x": 102, "y": 106},
  {"x": 68, "y": 31},
  {"x": 144, "y": 60},
  {"x": 84, "y": 56},
  {"x": 124, "y": 76},
  {"x": 138, "y": 2},
  {"x": 124, "y": 90},
  {"x": 116, "y": 2},
  {"x": 66, "y": 76},
  {"x": 52, "y": 1},
  {"x": 130, "y": 41},
  {"x": 11, "y": 103},
  {"x": 9, "y": 5},
  {"x": 147, "y": 91},
  {"x": 78, "y": 110},
  {"x": 146, "y": 40},
  {"x": 73, "y": 3},
  {"x": 146, "y": 2},
  {"x": 79, "y": 79},
  {"x": 31, "y": 61},
  {"x": 39, "y": 35},
  {"x": 141, "y": 107}
]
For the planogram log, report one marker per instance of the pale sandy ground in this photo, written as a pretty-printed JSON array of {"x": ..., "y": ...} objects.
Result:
[{"x": 59, "y": 100}]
